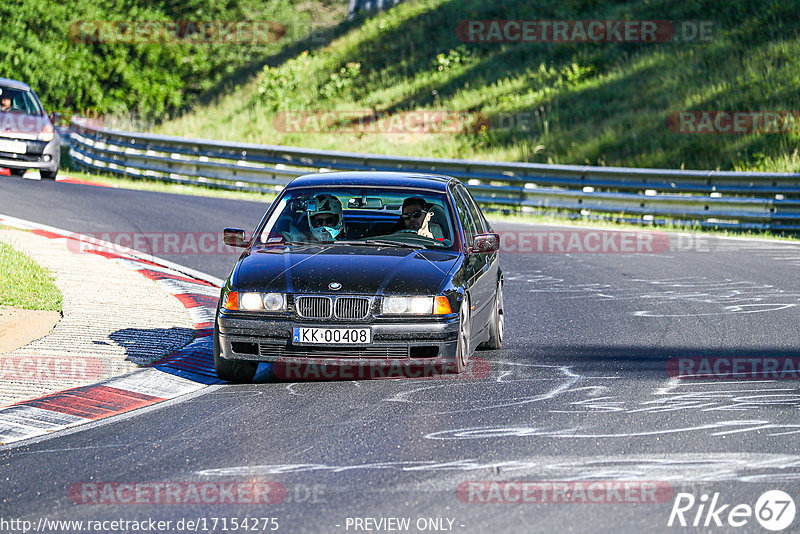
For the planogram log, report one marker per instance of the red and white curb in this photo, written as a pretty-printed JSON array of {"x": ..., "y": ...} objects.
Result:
[
  {"x": 85, "y": 404},
  {"x": 184, "y": 371}
]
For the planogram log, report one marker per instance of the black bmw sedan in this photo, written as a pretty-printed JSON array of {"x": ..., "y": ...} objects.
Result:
[{"x": 362, "y": 268}]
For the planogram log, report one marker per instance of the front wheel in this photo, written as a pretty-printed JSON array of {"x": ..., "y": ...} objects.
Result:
[
  {"x": 464, "y": 334},
  {"x": 17, "y": 172},
  {"x": 237, "y": 371},
  {"x": 497, "y": 322},
  {"x": 48, "y": 175}
]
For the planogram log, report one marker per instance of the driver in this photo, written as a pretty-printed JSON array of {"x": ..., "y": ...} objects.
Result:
[
  {"x": 416, "y": 216},
  {"x": 325, "y": 217}
]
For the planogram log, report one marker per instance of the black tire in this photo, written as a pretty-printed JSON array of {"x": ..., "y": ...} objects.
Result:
[
  {"x": 48, "y": 175},
  {"x": 238, "y": 371},
  {"x": 464, "y": 333},
  {"x": 496, "y": 323},
  {"x": 17, "y": 172}
]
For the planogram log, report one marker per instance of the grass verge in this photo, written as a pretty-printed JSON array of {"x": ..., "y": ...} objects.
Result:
[{"x": 25, "y": 284}]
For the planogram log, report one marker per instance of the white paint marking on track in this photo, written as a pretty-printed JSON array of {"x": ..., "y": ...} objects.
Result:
[
  {"x": 672, "y": 467},
  {"x": 569, "y": 379}
]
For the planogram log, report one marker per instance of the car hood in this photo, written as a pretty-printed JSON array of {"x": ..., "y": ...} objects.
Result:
[{"x": 360, "y": 270}]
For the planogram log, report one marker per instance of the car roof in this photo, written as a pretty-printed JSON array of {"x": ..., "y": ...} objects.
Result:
[
  {"x": 400, "y": 180},
  {"x": 14, "y": 84}
]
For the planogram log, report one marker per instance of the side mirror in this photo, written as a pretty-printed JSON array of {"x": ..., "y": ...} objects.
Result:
[
  {"x": 234, "y": 237},
  {"x": 484, "y": 243},
  {"x": 55, "y": 118}
]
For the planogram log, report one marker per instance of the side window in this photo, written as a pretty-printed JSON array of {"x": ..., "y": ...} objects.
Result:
[
  {"x": 480, "y": 223},
  {"x": 466, "y": 218}
]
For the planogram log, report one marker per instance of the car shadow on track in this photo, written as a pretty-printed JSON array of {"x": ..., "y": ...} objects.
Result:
[{"x": 144, "y": 346}]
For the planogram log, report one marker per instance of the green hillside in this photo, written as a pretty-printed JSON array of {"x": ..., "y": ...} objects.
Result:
[
  {"x": 79, "y": 58},
  {"x": 584, "y": 103}
]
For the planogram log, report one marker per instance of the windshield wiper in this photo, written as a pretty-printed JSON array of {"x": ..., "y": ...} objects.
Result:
[
  {"x": 293, "y": 244},
  {"x": 377, "y": 243},
  {"x": 364, "y": 243},
  {"x": 389, "y": 243},
  {"x": 302, "y": 243}
]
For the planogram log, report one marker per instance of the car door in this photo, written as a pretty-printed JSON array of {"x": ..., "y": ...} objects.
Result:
[
  {"x": 483, "y": 226},
  {"x": 481, "y": 286}
]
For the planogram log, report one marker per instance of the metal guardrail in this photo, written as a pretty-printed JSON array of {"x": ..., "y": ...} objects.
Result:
[{"x": 769, "y": 201}]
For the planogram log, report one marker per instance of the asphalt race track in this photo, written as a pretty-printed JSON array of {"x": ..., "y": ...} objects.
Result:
[{"x": 581, "y": 392}]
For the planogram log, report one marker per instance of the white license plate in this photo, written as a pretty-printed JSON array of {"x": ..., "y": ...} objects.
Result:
[
  {"x": 15, "y": 147},
  {"x": 302, "y": 335}
]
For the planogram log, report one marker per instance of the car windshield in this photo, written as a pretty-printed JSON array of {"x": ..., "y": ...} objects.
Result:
[
  {"x": 361, "y": 216},
  {"x": 20, "y": 101}
]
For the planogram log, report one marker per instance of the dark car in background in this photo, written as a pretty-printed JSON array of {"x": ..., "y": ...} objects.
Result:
[
  {"x": 362, "y": 267},
  {"x": 28, "y": 137}
]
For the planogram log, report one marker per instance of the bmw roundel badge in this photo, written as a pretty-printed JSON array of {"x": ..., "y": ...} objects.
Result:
[{"x": 335, "y": 286}]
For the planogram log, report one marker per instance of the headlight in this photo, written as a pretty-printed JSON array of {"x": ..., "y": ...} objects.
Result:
[
  {"x": 251, "y": 301},
  {"x": 274, "y": 302},
  {"x": 46, "y": 134},
  {"x": 271, "y": 302},
  {"x": 408, "y": 305}
]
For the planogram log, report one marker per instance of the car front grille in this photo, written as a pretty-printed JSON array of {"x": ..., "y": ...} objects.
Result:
[
  {"x": 322, "y": 307},
  {"x": 21, "y": 157},
  {"x": 374, "y": 351},
  {"x": 313, "y": 307},
  {"x": 352, "y": 307}
]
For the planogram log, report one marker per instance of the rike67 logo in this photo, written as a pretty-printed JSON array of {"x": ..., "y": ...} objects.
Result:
[{"x": 774, "y": 510}]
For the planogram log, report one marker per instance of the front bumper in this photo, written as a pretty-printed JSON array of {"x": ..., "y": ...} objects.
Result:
[
  {"x": 268, "y": 339},
  {"x": 34, "y": 158}
]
